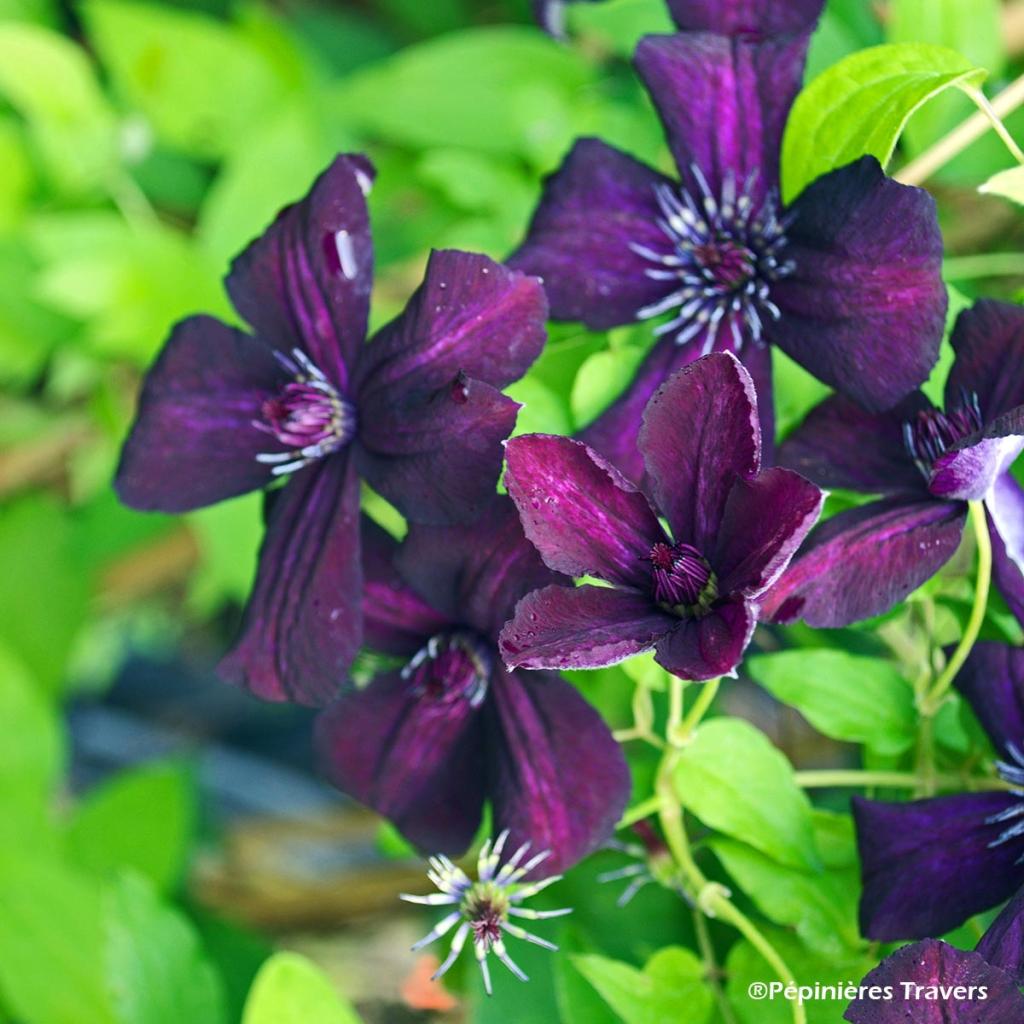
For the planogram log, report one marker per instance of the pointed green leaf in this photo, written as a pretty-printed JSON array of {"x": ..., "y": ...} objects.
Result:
[{"x": 290, "y": 989}]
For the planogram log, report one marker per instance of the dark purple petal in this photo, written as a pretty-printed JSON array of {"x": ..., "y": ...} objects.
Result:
[
  {"x": 724, "y": 103},
  {"x": 757, "y": 360},
  {"x": 305, "y": 283},
  {"x": 193, "y": 442},
  {"x": 988, "y": 340},
  {"x": 992, "y": 680},
  {"x": 583, "y": 516},
  {"x": 969, "y": 472},
  {"x": 1002, "y": 945},
  {"x": 437, "y": 457},
  {"x": 711, "y": 646},
  {"x": 964, "y": 989},
  {"x": 700, "y": 434},
  {"x": 929, "y": 865},
  {"x": 864, "y": 310},
  {"x": 303, "y": 623},
  {"x": 863, "y": 561},
  {"x": 416, "y": 760},
  {"x": 471, "y": 316},
  {"x": 614, "y": 433},
  {"x": 475, "y": 574},
  {"x": 396, "y": 620},
  {"x": 557, "y": 777},
  {"x": 840, "y": 444},
  {"x": 1005, "y": 508},
  {"x": 746, "y": 17},
  {"x": 765, "y": 520},
  {"x": 598, "y": 205},
  {"x": 581, "y": 627}
]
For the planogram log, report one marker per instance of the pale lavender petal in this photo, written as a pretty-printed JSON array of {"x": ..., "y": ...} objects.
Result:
[{"x": 1005, "y": 508}]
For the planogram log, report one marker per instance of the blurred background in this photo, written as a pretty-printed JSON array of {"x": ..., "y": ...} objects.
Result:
[{"x": 142, "y": 145}]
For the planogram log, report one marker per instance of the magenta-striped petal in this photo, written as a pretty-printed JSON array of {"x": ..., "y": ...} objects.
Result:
[
  {"x": 764, "y": 522},
  {"x": 746, "y": 17},
  {"x": 840, "y": 444},
  {"x": 992, "y": 681},
  {"x": 932, "y": 982},
  {"x": 864, "y": 310},
  {"x": 863, "y": 561},
  {"x": 557, "y": 778},
  {"x": 724, "y": 103},
  {"x": 988, "y": 340},
  {"x": 700, "y": 434},
  {"x": 581, "y": 627},
  {"x": 475, "y": 574},
  {"x": 708, "y": 647},
  {"x": 929, "y": 865},
  {"x": 437, "y": 456},
  {"x": 471, "y": 316},
  {"x": 303, "y": 623},
  {"x": 757, "y": 360},
  {"x": 594, "y": 210},
  {"x": 305, "y": 283},
  {"x": 416, "y": 759},
  {"x": 1005, "y": 508},
  {"x": 396, "y": 619},
  {"x": 193, "y": 442},
  {"x": 583, "y": 516},
  {"x": 615, "y": 432}
]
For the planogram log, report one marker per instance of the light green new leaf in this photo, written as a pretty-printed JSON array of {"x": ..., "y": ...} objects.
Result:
[
  {"x": 1008, "y": 184},
  {"x": 845, "y": 696},
  {"x": 735, "y": 781},
  {"x": 156, "y": 968},
  {"x": 600, "y": 380},
  {"x": 669, "y": 990},
  {"x": 290, "y": 989},
  {"x": 620, "y": 24},
  {"x": 860, "y": 106},
  {"x": 51, "y": 944},
  {"x": 143, "y": 820}
]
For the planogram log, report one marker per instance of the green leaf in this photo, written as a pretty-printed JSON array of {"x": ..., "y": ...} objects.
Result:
[
  {"x": 620, "y": 24},
  {"x": 1008, "y": 184},
  {"x": 50, "y": 82},
  {"x": 821, "y": 907},
  {"x": 669, "y": 990},
  {"x": 200, "y": 83},
  {"x": 735, "y": 781},
  {"x": 860, "y": 106},
  {"x": 290, "y": 989},
  {"x": 543, "y": 409},
  {"x": 228, "y": 535},
  {"x": 601, "y": 379},
  {"x": 51, "y": 944},
  {"x": 845, "y": 696},
  {"x": 156, "y": 968},
  {"x": 142, "y": 819}
]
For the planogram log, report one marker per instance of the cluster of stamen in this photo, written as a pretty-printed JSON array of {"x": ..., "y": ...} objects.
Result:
[
  {"x": 454, "y": 665},
  {"x": 727, "y": 251},
  {"x": 482, "y": 909},
  {"x": 1012, "y": 818},
  {"x": 307, "y": 415},
  {"x": 932, "y": 432},
  {"x": 683, "y": 581}
]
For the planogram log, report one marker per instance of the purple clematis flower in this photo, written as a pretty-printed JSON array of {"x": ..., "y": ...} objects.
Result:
[
  {"x": 690, "y": 595},
  {"x": 928, "y": 865},
  {"x": 427, "y": 745},
  {"x": 932, "y": 982},
  {"x": 418, "y": 414},
  {"x": 926, "y": 463},
  {"x": 846, "y": 280}
]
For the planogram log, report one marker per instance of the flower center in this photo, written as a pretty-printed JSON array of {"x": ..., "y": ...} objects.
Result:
[
  {"x": 684, "y": 583},
  {"x": 932, "y": 432},
  {"x": 485, "y": 906},
  {"x": 726, "y": 253},
  {"x": 455, "y": 665},
  {"x": 307, "y": 414},
  {"x": 1012, "y": 819}
]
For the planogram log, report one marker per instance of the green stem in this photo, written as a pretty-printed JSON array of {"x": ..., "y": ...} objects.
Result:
[
  {"x": 982, "y": 103},
  {"x": 639, "y": 811},
  {"x": 712, "y": 899},
  {"x": 933, "y": 700},
  {"x": 993, "y": 264},
  {"x": 857, "y": 779},
  {"x": 707, "y": 952},
  {"x": 683, "y": 733}
]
